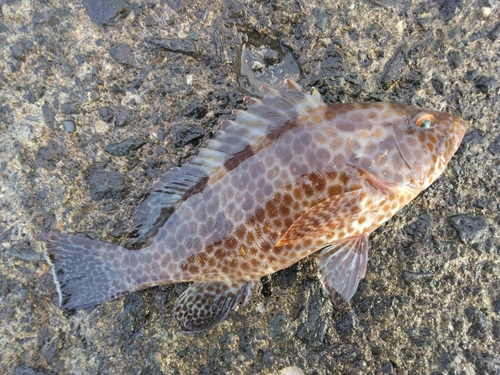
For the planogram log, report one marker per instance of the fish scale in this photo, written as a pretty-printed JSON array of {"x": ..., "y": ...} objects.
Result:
[{"x": 289, "y": 176}]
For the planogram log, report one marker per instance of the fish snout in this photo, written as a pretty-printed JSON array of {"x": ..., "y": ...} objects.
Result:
[{"x": 451, "y": 139}]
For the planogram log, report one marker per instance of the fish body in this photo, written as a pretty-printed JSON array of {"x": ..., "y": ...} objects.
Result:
[{"x": 289, "y": 176}]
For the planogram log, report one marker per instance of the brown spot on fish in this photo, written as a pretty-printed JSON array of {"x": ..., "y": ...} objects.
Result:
[
  {"x": 334, "y": 190},
  {"x": 378, "y": 133},
  {"x": 271, "y": 210},
  {"x": 317, "y": 118},
  {"x": 287, "y": 200},
  {"x": 193, "y": 268},
  {"x": 265, "y": 247},
  {"x": 298, "y": 193},
  {"x": 250, "y": 238},
  {"x": 284, "y": 210},
  {"x": 320, "y": 138},
  {"x": 307, "y": 189},
  {"x": 240, "y": 232},
  {"x": 219, "y": 253},
  {"x": 307, "y": 242}
]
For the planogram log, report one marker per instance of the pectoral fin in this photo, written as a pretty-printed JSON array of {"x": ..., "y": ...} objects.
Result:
[
  {"x": 341, "y": 266},
  {"x": 204, "y": 305},
  {"x": 332, "y": 213}
]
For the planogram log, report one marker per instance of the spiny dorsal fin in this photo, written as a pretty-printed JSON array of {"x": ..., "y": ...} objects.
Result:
[{"x": 248, "y": 129}]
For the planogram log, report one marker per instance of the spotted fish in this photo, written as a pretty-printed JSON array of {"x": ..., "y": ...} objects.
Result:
[{"x": 289, "y": 176}]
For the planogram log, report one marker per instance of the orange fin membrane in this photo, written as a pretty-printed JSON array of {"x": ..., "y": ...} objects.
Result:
[
  {"x": 203, "y": 305},
  {"x": 83, "y": 270},
  {"x": 249, "y": 128},
  {"x": 335, "y": 212},
  {"x": 341, "y": 266}
]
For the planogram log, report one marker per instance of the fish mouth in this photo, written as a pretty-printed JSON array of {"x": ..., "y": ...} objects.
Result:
[{"x": 453, "y": 138}]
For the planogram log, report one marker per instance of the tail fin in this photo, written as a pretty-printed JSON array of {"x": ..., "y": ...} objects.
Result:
[{"x": 86, "y": 272}]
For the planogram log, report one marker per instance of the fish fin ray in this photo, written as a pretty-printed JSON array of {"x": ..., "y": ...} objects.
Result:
[
  {"x": 83, "y": 274},
  {"x": 341, "y": 266},
  {"x": 339, "y": 210},
  {"x": 274, "y": 110},
  {"x": 277, "y": 107},
  {"x": 203, "y": 305}
]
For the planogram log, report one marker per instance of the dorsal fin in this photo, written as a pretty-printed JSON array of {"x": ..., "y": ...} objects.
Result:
[{"x": 249, "y": 128}]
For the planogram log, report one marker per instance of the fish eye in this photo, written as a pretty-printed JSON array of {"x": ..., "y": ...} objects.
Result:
[
  {"x": 424, "y": 121},
  {"x": 425, "y": 124}
]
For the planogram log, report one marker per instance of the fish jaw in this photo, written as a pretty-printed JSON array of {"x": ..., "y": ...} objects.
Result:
[{"x": 449, "y": 144}]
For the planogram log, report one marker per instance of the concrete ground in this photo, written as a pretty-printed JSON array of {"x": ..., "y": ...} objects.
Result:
[{"x": 98, "y": 98}]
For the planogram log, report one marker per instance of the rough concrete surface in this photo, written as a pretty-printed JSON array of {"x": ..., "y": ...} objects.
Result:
[{"x": 98, "y": 98}]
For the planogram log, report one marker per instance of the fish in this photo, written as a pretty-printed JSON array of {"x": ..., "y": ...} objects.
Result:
[{"x": 289, "y": 176}]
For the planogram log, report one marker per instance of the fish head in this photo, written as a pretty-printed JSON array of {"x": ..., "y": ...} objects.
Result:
[
  {"x": 401, "y": 144},
  {"x": 437, "y": 136}
]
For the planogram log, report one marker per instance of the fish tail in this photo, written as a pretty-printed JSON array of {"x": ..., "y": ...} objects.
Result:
[{"x": 86, "y": 272}]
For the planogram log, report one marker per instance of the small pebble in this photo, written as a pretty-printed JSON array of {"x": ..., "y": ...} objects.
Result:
[
  {"x": 485, "y": 84},
  {"x": 388, "y": 369},
  {"x": 101, "y": 127},
  {"x": 292, "y": 370},
  {"x": 485, "y": 11},
  {"x": 69, "y": 126}
]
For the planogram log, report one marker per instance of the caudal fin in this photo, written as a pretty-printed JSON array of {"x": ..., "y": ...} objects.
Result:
[{"x": 86, "y": 272}]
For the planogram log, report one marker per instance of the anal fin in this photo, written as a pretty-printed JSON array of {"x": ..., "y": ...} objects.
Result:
[
  {"x": 204, "y": 305},
  {"x": 341, "y": 266}
]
